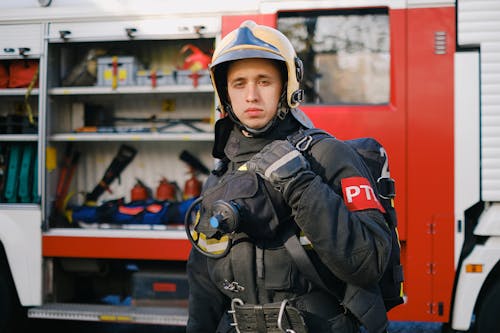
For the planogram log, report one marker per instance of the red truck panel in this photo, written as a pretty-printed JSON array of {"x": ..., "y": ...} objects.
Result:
[{"x": 416, "y": 129}]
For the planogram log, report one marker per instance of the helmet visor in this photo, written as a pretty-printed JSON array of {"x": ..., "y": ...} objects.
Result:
[{"x": 239, "y": 54}]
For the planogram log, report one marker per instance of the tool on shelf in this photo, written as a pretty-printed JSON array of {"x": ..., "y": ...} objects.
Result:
[
  {"x": 14, "y": 163},
  {"x": 192, "y": 186},
  {"x": 167, "y": 124},
  {"x": 3, "y": 169},
  {"x": 26, "y": 173},
  {"x": 66, "y": 173},
  {"x": 122, "y": 159}
]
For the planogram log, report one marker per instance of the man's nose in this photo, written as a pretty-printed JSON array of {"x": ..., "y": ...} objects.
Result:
[{"x": 252, "y": 93}]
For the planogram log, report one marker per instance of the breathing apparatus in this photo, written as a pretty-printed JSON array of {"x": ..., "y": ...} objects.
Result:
[{"x": 215, "y": 239}]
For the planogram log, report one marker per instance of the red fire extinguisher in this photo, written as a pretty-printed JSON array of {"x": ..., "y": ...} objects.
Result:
[
  {"x": 165, "y": 190},
  {"x": 139, "y": 192},
  {"x": 192, "y": 186}
]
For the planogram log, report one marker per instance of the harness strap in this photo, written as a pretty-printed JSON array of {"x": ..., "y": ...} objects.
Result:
[
  {"x": 304, "y": 139},
  {"x": 260, "y": 318},
  {"x": 366, "y": 312},
  {"x": 303, "y": 262}
]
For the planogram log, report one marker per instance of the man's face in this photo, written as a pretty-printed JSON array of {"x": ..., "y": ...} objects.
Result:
[{"x": 254, "y": 88}]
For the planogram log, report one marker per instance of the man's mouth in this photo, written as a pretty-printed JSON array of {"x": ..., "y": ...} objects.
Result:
[{"x": 253, "y": 111}]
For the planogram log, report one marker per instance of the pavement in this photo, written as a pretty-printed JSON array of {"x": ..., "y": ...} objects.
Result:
[{"x": 44, "y": 325}]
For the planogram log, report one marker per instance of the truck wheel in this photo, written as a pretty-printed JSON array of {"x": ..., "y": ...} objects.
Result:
[
  {"x": 11, "y": 312},
  {"x": 487, "y": 318}
]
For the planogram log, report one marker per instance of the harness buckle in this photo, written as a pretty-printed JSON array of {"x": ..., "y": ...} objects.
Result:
[
  {"x": 280, "y": 318},
  {"x": 304, "y": 143},
  {"x": 386, "y": 187}
]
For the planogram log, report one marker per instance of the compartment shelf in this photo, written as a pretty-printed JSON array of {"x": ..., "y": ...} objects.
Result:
[
  {"x": 133, "y": 137},
  {"x": 130, "y": 90},
  {"x": 18, "y": 137},
  {"x": 18, "y": 206},
  {"x": 17, "y": 92}
]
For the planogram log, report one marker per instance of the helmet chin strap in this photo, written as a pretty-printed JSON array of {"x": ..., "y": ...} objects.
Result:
[{"x": 281, "y": 113}]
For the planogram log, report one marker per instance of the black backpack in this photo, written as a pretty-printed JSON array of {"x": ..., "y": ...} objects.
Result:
[{"x": 376, "y": 159}]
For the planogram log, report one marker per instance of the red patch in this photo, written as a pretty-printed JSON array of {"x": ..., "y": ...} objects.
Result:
[
  {"x": 130, "y": 210},
  {"x": 359, "y": 195},
  {"x": 154, "y": 208}
]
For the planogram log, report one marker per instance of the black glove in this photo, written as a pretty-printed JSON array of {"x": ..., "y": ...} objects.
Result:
[{"x": 282, "y": 165}]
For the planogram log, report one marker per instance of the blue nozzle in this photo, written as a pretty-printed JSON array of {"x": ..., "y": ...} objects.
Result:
[{"x": 214, "y": 221}]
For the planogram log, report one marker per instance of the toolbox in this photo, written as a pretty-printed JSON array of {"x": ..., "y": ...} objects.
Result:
[
  {"x": 155, "y": 287},
  {"x": 188, "y": 77},
  {"x": 155, "y": 78},
  {"x": 116, "y": 71}
]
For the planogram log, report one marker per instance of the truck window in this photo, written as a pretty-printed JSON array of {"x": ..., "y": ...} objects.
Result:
[{"x": 345, "y": 53}]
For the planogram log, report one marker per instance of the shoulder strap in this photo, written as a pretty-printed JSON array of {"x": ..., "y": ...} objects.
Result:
[
  {"x": 303, "y": 262},
  {"x": 305, "y": 138},
  {"x": 362, "y": 303}
]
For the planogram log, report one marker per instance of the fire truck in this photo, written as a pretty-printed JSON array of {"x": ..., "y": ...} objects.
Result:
[{"x": 108, "y": 101}]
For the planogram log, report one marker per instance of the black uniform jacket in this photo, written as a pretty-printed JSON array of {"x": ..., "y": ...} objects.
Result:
[{"x": 350, "y": 244}]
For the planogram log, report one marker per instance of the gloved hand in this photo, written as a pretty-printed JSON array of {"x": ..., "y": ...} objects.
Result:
[{"x": 282, "y": 165}]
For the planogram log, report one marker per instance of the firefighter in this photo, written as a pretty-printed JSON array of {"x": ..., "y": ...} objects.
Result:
[{"x": 242, "y": 277}]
